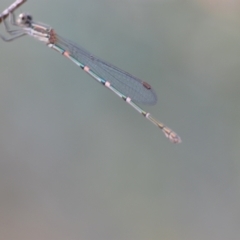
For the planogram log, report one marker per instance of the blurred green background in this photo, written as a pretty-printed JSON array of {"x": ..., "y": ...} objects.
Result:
[{"x": 77, "y": 163}]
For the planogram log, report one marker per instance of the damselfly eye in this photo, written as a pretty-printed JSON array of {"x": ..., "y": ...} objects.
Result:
[
  {"x": 29, "y": 17},
  {"x": 24, "y": 19}
]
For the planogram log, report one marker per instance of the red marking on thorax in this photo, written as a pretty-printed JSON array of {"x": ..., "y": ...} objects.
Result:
[{"x": 52, "y": 37}]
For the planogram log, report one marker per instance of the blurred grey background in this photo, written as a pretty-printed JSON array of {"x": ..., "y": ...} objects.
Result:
[{"x": 77, "y": 163}]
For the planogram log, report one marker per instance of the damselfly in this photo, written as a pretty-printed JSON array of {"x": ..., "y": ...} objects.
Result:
[{"x": 131, "y": 89}]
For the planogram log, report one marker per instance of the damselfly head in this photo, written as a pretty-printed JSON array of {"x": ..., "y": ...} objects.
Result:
[{"x": 24, "y": 19}]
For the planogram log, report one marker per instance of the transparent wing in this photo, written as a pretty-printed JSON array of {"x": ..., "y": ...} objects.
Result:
[{"x": 138, "y": 90}]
